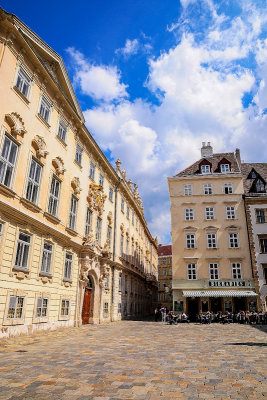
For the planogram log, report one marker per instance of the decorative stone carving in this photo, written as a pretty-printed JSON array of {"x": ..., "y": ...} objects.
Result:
[
  {"x": 92, "y": 244},
  {"x": 51, "y": 66},
  {"x": 122, "y": 227},
  {"x": 103, "y": 273},
  {"x": 59, "y": 165},
  {"x": 109, "y": 217},
  {"x": 123, "y": 173},
  {"x": 96, "y": 198},
  {"x": 106, "y": 250},
  {"x": 39, "y": 145},
  {"x": 76, "y": 186},
  {"x": 118, "y": 164},
  {"x": 16, "y": 123},
  {"x": 130, "y": 182}
]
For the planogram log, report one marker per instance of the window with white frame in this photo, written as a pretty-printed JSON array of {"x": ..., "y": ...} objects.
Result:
[
  {"x": 68, "y": 266},
  {"x": 209, "y": 213},
  {"x": 92, "y": 170},
  {"x": 47, "y": 258},
  {"x": 78, "y": 154},
  {"x": 65, "y": 307},
  {"x": 128, "y": 211},
  {"x": 121, "y": 246},
  {"x": 45, "y": 109},
  {"x": 230, "y": 212},
  {"x": 236, "y": 270},
  {"x": 15, "y": 307},
  {"x": 207, "y": 188},
  {"x": 98, "y": 229},
  {"x": 110, "y": 193},
  {"x": 101, "y": 179},
  {"x": 54, "y": 197},
  {"x": 88, "y": 222},
  {"x": 191, "y": 271},
  {"x": 62, "y": 131},
  {"x": 23, "y": 83},
  {"x": 233, "y": 239},
  {"x": 205, "y": 169},
  {"x": 189, "y": 214},
  {"x": 33, "y": 184},
  {"x": 214, "y": 271},
  {"x": 105, "y": 308},
  {"x": 263, "y": 244},
  {"x": 260, "y": 215},
  {"x": 228, "y": 188},
  {"x": 23, "y": 250},
  {"x": 7, "y": 161},
  {"x": 188, "y": 190},
  {"x": 211, "y": 240},
  {"x": 190, "y": 239},
  {"x": 73, "y": 212},
  {"x": 109, "y": 234},
  {"x": 42, "y": 305},
  {"x": 122, "y": 205},
  {"x": 225, "y": 168}
]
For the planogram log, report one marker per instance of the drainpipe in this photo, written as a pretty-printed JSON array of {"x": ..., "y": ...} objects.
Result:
[{"x": 114, "y": 246}]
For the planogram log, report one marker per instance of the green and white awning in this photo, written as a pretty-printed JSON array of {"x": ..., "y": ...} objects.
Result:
[{"x": 219, "y": 293}]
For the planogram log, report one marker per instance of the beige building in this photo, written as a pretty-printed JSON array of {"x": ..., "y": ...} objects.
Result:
[
  {"x": 211, "y": 259},
  {"x": 75, "y": 246},
  {"x": 255, "y": 197},
  {"x": 165, "y": 276}
]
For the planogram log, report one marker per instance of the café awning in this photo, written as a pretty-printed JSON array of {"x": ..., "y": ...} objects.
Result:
[{"x": 219, "y": 293}]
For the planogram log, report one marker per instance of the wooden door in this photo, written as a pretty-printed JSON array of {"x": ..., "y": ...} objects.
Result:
[{"x": 86, "y": 306}]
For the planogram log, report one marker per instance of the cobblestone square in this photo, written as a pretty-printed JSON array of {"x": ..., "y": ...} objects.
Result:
[{"x": 137, "y": 360}]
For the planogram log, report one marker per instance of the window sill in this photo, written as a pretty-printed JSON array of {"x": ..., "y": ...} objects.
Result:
[
  {"x": 13, "y": 321},
  {"x": 61, "y": 141},
  {"x": 20, "y": 269},
  {"x": 24, "y": 98},
  {"x": 46, "y": 274},
  {"x": 64, "y": 318},
  {"x": 78, "y": 164},
  {"x": 52, "y": 218},
  {"x": 30, "y": 205},
  {"x": 43, "y": 121},
  {"x": 67, "y": 280},
  {"x": 5, "y": 190},
  {"x": 71, "y": 231},
  {"x": 40, "y": 320}
]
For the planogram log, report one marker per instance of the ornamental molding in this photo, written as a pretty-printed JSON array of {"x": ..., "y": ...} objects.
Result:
[
  {"x": 39, "y": 145},
  {"x": 58, "y": 164},
  {"x": 76, "y": 186},
  {"x": 109, "y": 217},
  {"x": 96, "y": 198},
  {"x": 16, "y": 124}
]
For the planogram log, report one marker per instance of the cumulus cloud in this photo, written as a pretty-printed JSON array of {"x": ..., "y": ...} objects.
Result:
[{"x": 132, "y": 47}]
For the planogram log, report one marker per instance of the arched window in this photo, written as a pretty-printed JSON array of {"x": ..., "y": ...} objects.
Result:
[{"x": 89, "y": 283}]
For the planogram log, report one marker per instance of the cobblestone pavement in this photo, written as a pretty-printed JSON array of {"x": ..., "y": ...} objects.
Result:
[{"x": 136, "y": 360}]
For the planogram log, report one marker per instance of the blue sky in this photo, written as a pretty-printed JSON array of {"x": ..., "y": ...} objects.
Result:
[{"x": 156, "y": 78}]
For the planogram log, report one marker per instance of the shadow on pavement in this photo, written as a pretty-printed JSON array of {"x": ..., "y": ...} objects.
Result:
[{"x": 246, "y": 344}]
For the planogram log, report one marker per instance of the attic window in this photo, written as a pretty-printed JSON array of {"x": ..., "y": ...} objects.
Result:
[
  {"x": 260, "y": 187},
  {"x": 205, "y": 169},
  {"x": 253, "y": 175},
  {"x": 225, "y": 168}
]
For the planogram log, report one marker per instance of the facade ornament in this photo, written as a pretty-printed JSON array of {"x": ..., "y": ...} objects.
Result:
[
  {"x": 135, "y": 191},
  {"x": 39, "y": 145},
  {"x": 122, "y": 227},
  {"x": 96, "y": 198},
  {"x": 75, "y": 183},
  {"x": 92, "y": 244},
  {"x": 109, "y": 217},
  {"x": 58, "y": 165},
  {"x": 104, "y": 271},
  {"x": 52, "y": 69},
  {"x": 106, "y": 253},
  {"x": 118, "y": 164},
  {"x": 123, "y": 173},
  {"x": 130, "y": 182},
  {"x": 16, "y": 123}
]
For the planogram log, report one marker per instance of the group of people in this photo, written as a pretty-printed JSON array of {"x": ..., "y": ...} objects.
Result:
[
  {"x": 165, "y": 315},
  {"x": 242, "y": 317}
]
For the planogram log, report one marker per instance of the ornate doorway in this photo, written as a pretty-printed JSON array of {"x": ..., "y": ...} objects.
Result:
[{"x": 87, "y": 301}]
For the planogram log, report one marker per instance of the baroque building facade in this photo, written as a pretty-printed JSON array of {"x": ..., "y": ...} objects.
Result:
[
  {"x": 211, "y": 259},
  {"x": 75, "y": 247},
  {"x": 165, "y": 276}
]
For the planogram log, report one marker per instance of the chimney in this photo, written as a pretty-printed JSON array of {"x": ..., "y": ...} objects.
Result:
[
  {"x": 237, "y": 156},
  {"x": 206, "y": 150}
]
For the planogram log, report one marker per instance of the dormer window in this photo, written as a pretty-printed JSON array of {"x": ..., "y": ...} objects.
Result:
[
  {"x": 225, "y": 168},
  {"x": 260, "y": 187},
  {"x": 205, "y": 169}
]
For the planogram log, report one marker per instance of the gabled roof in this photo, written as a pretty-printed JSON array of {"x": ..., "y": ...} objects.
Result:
[
  {"x": 165, "y": 250},
  {"x": 261, "y": 172},
  {"x": 214, "y": 160}
]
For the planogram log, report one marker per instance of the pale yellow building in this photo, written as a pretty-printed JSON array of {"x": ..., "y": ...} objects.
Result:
[
  {"x": 211, "y": 260},
  {"x": 75, "y": 247}
]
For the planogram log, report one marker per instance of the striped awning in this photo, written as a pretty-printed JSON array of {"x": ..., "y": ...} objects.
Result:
[{"x": 219, "y": 293}]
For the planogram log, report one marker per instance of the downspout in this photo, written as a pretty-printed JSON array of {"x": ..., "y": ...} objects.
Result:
[{"x": 114, "y": 244}]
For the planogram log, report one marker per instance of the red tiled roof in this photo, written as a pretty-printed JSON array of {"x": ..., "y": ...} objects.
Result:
[{"x": 165, "y": 250}]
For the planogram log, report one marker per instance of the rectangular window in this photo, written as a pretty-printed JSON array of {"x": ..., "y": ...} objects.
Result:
[
  {"x": 23, "y": 83},
  {"x": 54, "y": 197},
  {"x": 121, "y": 246},
  {"x": 132, "y": 253},
  {"x": 209, "y": 213},
  {"x": 15, "y": 308},
  {"x": 78, "y": 154},
  {"x": 236, "y": 270},
  {"x": 230, "y": 212},
  {"x": 45, "y": 109},
  {"x": 92, "y": 170},
  {"x": 233, "y": 240},
  {"x": 98, "y": 229},
  {"x": 120, "y": 282},
  {"x": 191, "y": 271},
  {"x": 23, "y": 249},
  {"x": 127, "y": 250},
  {"x": 101, "y": 180},
  {"x": 68, "y": 266},
  {"x": 126, "y": 284},
  {"x": 264, "y": 273},
  {"x": 62, "y": 131},
  {"x": 190, "y": 241},
  {"x": 42, "y": 304},
  {"x": 88, "y": 222},
  {"x": 122, "y": 205},
  {"x": 7, "y": 161},
  {"x": 105, "y": 308},
  {"x": 65, "y": 308},
  {"x": 47, "y": 258},
  {"x": 110, "y": 194},
  {"x": 73, "y": 213},
  {"x": 189, "y": 214},
  {"x": 128, "y": 212},
  {"x": 207, "y": 188},
  {"x": 211, "y": 240},
  {"x": 205, "y": 169},
  {"x": 225, "y": 168},
  {"x": 109, "y": 234},
  {"x": 33, "y": 182},
  {"x": 260, "y": 216},
  {"x": 165, "y": 272},
  {"x": 228, "y": 188},
  {"x": 214, "y": 271},
  {"x": 188, "y": 190},
  {"x": 263, "y": 245},
  {"x": 119, "y": 308}
]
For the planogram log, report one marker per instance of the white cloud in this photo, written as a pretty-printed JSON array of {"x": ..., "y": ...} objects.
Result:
[{"x": 131, "y": 47}]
